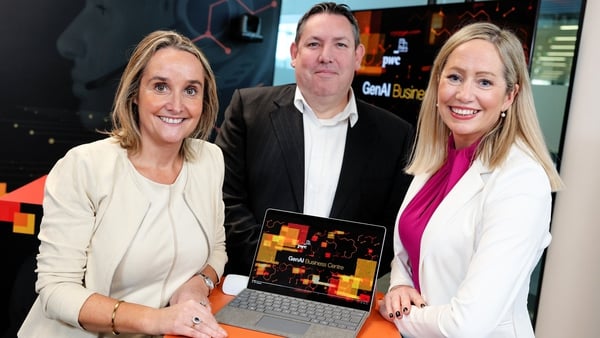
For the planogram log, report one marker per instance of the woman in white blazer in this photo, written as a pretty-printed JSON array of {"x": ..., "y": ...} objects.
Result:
[
  {"x": 132, "y": 236},
  {"x": 475, "y": 220}
]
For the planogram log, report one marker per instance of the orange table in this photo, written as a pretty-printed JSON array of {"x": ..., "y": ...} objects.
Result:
[{"x": 375, "y": 326}]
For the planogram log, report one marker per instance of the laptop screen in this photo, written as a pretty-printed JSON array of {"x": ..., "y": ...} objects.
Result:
[{"x": 328, "y": 260}]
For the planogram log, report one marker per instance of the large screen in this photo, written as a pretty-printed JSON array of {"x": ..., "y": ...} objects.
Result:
[{"x": 401, "y": 44}]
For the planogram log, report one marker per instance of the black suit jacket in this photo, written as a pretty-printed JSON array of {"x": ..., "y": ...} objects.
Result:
[{"x": 262, "y": 140}]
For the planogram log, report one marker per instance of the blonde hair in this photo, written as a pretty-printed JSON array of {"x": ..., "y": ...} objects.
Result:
[
  {"x": 520, "y": 125},
  {"x": 125, "y": 119}
]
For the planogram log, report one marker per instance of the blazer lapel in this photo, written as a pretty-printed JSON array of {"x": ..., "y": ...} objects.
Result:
[
  {"x": 118, "y": 225},
  {"x": 289, "y": 131},
  {"x": 468, "y": 186}
]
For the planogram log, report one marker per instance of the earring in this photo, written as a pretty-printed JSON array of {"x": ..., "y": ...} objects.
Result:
[{"x": 503, "y": 114}]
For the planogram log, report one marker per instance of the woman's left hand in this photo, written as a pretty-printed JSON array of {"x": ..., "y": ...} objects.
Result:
[{"x": 398, "y": 302}]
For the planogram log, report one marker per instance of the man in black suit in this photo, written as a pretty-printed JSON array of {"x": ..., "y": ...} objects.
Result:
[{"x": 312, "y": 147}]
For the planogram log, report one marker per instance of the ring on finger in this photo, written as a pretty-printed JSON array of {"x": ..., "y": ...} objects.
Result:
[{"x": 196, "y": 320}]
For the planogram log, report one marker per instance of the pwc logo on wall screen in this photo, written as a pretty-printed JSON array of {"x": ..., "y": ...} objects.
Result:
[
  {"x": 395, "y": 59},
  {"x": 391, "y": 64}
]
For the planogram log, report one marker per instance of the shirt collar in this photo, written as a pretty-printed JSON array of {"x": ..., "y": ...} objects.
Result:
[{"x": 350, "y": 111}]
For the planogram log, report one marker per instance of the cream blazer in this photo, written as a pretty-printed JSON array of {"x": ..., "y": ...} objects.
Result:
[
  {"x": 102, "y": 209},
  {"x": 478, "y": 252}
]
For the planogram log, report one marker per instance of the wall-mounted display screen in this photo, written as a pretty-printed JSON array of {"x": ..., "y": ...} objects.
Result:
[{"x": 401, "y": 44}]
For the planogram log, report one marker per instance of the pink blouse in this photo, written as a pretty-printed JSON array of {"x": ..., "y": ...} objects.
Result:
[{"x": 417, "y": 213}]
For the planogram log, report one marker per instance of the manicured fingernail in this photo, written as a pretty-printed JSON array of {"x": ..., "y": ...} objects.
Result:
[
  {"x": 423, "y": 305},
  {"x": 391, "y": 315},
  {"x": 398, "y": 314},
  {"x": 405, "y": 310}
]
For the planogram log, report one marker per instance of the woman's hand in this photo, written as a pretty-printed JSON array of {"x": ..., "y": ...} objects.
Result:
[
  {"x": 398, "y": 301},
  {"x": 191, "y": 319}
]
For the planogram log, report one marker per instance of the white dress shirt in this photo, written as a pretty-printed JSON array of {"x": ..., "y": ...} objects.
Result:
[{"x": 324, "y": 143}]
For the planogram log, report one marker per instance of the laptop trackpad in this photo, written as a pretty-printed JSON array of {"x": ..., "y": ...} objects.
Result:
[{"x": 283, "y": 325}]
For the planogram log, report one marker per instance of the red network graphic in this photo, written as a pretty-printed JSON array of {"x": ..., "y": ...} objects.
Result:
[{"x": 208, "y": 33}]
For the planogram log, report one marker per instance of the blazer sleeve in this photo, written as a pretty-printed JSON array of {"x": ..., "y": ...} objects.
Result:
[{"x": 68, "y": 210}]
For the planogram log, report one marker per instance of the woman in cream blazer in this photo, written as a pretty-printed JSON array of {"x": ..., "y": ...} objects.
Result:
[
  {"x": 97, "y": 246},
  {"x": 132, "y": 238}
]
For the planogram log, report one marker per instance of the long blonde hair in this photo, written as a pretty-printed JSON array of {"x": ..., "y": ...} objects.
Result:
[{"x": 520, "y": 126}]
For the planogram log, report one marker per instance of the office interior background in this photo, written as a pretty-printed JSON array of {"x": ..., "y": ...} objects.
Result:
[{"x": 41, "y": 103}]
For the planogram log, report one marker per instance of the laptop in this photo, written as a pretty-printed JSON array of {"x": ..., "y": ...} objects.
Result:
[{"x": 322, "y": 270}]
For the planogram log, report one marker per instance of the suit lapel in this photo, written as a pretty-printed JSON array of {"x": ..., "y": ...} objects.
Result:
[
  {"x": 289, "y": 131},
  {"x": 359, "y": 142}
]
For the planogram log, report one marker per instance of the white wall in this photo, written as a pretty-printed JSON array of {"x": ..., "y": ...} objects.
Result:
[{"x": 570, "y": 292}]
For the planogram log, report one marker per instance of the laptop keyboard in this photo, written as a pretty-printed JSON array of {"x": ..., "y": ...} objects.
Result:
[{"x": 298, "y": 309}]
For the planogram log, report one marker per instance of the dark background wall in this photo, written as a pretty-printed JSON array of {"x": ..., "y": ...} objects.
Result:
[
  {"x": 60, "y": 64},
  {"x": 62, "y": 59}
]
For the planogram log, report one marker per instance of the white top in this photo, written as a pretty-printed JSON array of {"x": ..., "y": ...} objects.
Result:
[{"x": 174, "y": 233}]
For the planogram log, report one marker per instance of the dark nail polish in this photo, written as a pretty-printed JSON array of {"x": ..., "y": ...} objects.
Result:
[
  {"x": 398, "y": 314},
  {"x": 405, "y": 310},
  {"x": 423, "y": 305},
  {"x": 391, "y": 315}
]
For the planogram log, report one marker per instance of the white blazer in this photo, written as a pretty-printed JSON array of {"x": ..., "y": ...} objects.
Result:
[
  {"x": 478, "y": 252},
  {"x": 102, "y": 209}
]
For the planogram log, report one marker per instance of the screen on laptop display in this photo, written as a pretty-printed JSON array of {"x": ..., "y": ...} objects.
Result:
[{"x": 325, "y": 259}]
